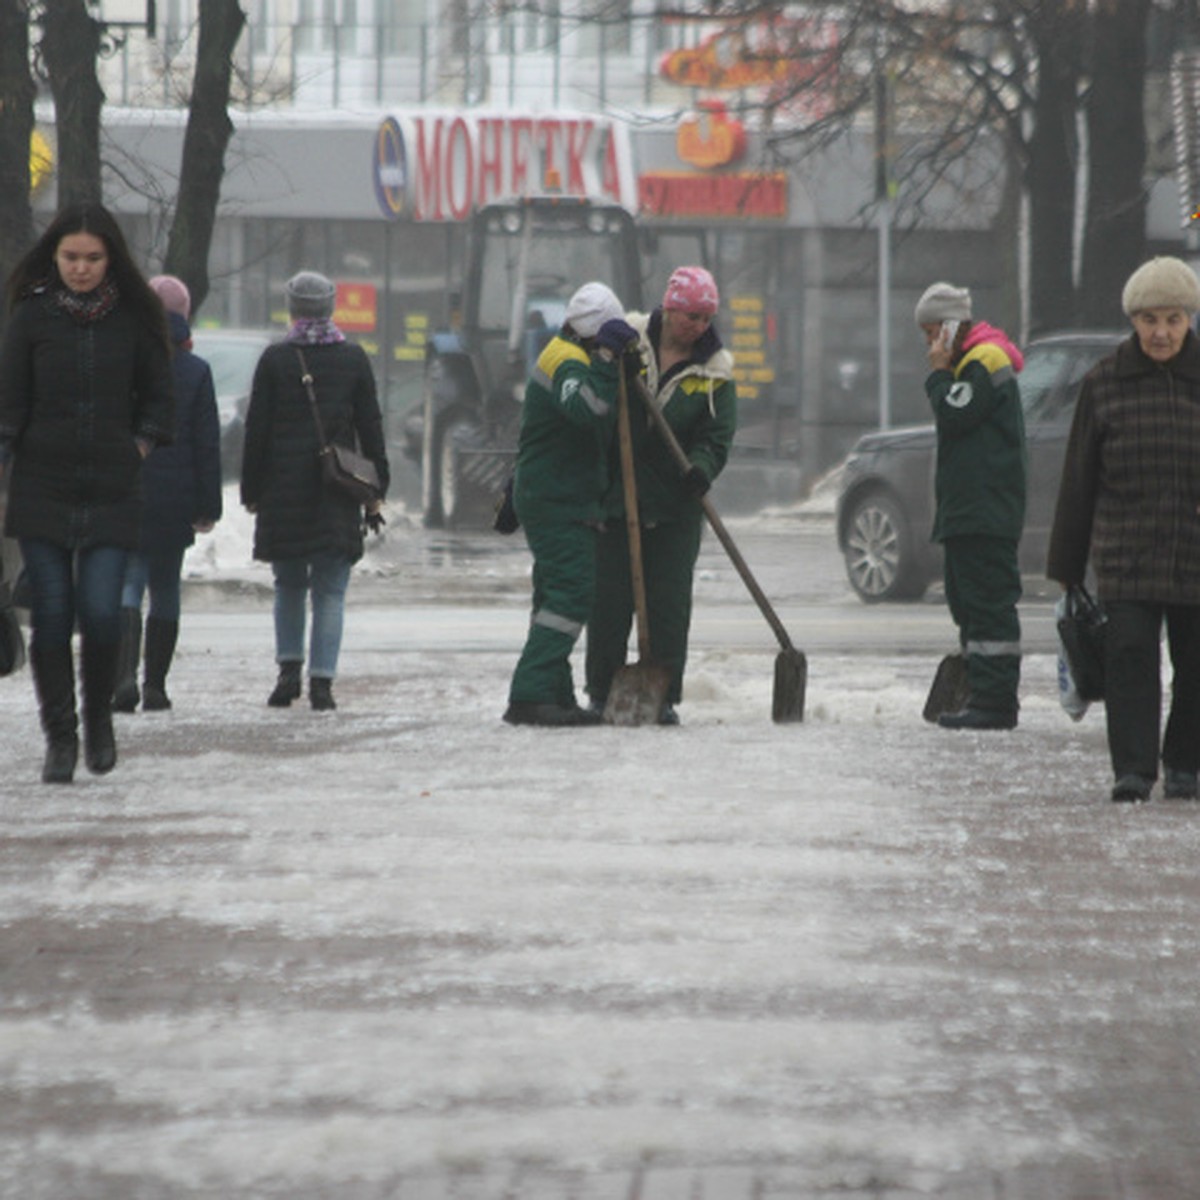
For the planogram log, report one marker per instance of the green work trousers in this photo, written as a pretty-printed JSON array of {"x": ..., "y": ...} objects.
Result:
[
  {"x": 983, "y": 585},
  {"x": 668, "y": 562},
  {"x": 564, "y": 583}
]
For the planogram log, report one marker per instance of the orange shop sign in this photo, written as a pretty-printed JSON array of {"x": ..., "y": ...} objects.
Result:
[
  {"x": 356, "y": 307},
  {"x": 710, "y": 137},
  {"x": 778, "y": 53},
  {"x": 740, "y": 194}
]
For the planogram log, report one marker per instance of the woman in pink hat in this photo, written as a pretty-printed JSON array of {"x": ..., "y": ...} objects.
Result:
[{"x": 689, "y": 375}]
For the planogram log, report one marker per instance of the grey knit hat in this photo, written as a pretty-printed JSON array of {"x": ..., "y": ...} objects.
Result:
[
  {"x": 1162, "y": 283},
  {"x": 943, "y": 302},
  {"x": 310, "y": 294}
]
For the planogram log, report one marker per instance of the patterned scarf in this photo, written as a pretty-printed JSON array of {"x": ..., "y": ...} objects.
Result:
[
  {"x": 315, "y": 331},
  {"x": 87, "y": 307}
]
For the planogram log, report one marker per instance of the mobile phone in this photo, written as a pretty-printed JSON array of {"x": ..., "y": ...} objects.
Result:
[{"x": 949, "y": 333}]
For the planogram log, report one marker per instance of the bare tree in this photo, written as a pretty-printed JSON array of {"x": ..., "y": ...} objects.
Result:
[
  {"x": 17, "y": 90},
  {"x": 70, "y": 42},
  {"x": 1012, "y": 70},
  {"x": 67, "y": 50},
  {"x": 205, "y": 142},
  {"x": 1115, "y": 232}
]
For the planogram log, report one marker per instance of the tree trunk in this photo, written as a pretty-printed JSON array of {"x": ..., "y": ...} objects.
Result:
[
  {"x": 1114, "y": 240},
  {"x": 70, "y": 45},
  {"x": 1050, "y": 176},
  {"x": 205, "y": 141},
  {"x": 16, "y": 129}
]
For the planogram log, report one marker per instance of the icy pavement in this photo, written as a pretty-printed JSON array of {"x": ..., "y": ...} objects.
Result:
[{"x": 403, "y": 950}]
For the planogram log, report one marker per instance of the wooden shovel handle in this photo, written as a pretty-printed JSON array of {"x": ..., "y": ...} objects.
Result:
[
  {"x": 743, "y": 569},
  {"x": 632, "y": 524}
]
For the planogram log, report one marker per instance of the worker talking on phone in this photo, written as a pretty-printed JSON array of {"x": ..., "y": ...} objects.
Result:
[{"x": 980, "y": 496}]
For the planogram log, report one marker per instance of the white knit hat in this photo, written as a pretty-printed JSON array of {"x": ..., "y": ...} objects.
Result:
[
  {"x": 590, "y": 307},
  {"x": 943, "y": 302},
  {"x": 1164, "y": 282}
]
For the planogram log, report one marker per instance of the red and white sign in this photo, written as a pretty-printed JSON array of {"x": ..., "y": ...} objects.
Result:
[{"x": 458, "y": 162}]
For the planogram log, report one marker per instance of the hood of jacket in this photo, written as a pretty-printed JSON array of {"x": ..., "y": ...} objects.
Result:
[{"x": 981, "y": 332}]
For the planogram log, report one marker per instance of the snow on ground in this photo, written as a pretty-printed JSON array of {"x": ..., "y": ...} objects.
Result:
[{"x": 286, "y": 953}]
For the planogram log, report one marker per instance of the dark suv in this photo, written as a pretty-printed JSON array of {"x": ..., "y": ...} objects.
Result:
[{"x": 885, "y": 503}]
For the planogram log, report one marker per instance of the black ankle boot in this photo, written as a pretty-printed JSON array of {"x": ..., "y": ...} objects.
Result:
[
  {"x": 61, "y": 756},
  {"x": 320, "y": 694},
  {"x": 287, "y": 686},
  {"x": 54, "y": 680},
  {"x": 125, "y": 694}
]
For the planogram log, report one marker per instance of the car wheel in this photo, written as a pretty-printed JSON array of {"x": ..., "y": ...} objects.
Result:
[{"x": 881, "y": 561}]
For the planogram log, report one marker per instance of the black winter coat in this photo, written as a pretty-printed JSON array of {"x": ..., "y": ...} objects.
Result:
[
  {"x": 297, "y": 516},
  {"x": 73, "y": 397},
  {"x": 181, "y": 483}
]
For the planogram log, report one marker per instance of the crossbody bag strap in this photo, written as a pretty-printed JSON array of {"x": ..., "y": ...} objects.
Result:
[{"x": 307, "y": 379}]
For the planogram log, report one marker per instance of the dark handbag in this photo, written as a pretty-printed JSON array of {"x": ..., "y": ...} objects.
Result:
[
  {"x": 1081, "y": 632},
  {"x": 344, "y": 470},
  {"x": 12, "y": 641}
]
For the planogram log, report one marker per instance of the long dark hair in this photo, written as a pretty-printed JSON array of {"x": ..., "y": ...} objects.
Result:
[{"x": 37, "y": 269}]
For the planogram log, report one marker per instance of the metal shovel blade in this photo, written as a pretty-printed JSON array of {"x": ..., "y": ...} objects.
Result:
[
  {"x": 637, "y": 694},
  {"x": 950, "y": 690},
  {"x": 791, "y": 679}
]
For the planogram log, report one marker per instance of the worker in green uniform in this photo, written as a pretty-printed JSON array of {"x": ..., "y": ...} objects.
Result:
[
  {"x": 562, "y": 472},
  {"x": 689, "y": 375},
  {"x": 980, "y": 494}
]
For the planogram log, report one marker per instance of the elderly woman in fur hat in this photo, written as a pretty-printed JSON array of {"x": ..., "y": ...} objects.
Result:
[{"x": 1129, "y": 501}]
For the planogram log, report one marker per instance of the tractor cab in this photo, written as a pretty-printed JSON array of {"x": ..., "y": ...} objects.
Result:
[{"x": 524, "y": 260}]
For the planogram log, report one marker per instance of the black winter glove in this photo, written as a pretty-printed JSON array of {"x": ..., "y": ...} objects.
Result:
[
  {"x": 374, "y": 521},
  {"x": 617, "y": 336},
  {"x": 695, "y": 482}
]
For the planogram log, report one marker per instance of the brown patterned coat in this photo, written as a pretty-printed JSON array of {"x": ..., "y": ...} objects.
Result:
[{"x": 1130, "y": 490}]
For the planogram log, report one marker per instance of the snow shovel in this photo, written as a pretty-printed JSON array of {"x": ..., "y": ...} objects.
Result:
[
  {"x": 638, "y": 691},
  {"x": 791, "y": 666},
  {"x": 950, "y": 690}
]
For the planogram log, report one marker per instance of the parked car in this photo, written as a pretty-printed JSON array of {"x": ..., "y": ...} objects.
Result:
[
  {"x": 885, "y": 504},
  {"x": 232, "y": 354}
]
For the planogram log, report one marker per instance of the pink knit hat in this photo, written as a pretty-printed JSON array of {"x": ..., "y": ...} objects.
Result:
[
  {"x": 173, "y": 293},
  {"x": 692, "y": 289}
]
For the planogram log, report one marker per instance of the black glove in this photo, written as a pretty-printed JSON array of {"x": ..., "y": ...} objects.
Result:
[
  {"x": 374, "y": 521},
  {"x": 617, "y": 336},
  {"x": 695, "y": 482}
]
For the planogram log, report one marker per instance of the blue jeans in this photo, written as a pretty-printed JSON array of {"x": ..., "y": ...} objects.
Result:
[
  {"x": 326, "y": 576},
  {"x": 66, "y": 585},
  {"x": 159, "y": 571}
]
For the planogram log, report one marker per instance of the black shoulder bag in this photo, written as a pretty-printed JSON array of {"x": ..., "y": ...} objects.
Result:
[{"x": 344, "y": 470}]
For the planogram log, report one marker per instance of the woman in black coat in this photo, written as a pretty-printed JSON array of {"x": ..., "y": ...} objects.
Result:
[
  {"x": 309, "y": 534},
  {"x": 181, "y": 487},
  {"x": 85, "y": 395}
]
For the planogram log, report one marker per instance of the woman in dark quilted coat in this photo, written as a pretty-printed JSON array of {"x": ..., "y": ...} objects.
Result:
[
  {"x": 181, "y": 486},
  {"x": 1129, "y": 502},
  {"x": 309, "y": 534},
  {"x": 85, "y": 395}
]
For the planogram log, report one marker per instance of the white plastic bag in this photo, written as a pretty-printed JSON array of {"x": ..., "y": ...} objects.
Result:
[{"x": 1068, "y": 696}]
